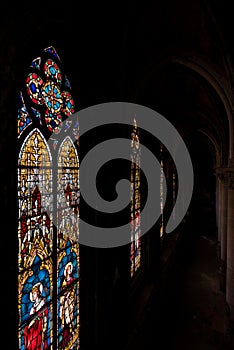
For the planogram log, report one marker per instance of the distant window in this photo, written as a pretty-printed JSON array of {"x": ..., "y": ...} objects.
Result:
[
  {"x": 135, "y": 251},
  {"x": 161, "y": 191}
]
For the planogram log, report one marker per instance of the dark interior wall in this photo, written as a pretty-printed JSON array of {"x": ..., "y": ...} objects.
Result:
[{"x": 203, "y": 204}]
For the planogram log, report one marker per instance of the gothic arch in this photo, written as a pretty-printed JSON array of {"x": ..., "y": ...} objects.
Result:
[{"x": 212, "y": 78}]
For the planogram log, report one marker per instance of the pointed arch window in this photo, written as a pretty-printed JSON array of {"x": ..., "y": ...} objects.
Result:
[
  {"x": 161, "y": 191},
  {"x": 48, "y": 220},
  {"x": 135, "y": 250}
]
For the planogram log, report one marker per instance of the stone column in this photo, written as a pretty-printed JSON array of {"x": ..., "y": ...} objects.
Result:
[
  {"x": 218, "y": 209},
  {"x": 218, "y": 214},
  {"x": 223, "y": 230},
  {"x": 230, "y": 250}
]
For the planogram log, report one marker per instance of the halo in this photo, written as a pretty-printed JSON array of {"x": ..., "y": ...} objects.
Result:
[
  {"x": 67, "y": 265},
  {"x": 37, "y": 285}
]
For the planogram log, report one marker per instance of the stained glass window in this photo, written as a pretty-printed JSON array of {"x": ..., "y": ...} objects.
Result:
[
  {"x": 68, "y": 256},
  {"x": 161, "y": 192},
  {"x": 48, "y": 222},
  {"x": 135, "y": 249},
  {"x": 35, "y": 236},
  {"x": 174, "y": 194}
]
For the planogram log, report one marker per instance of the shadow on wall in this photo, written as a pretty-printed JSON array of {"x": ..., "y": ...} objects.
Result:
[{"x": 203, "y": 208}]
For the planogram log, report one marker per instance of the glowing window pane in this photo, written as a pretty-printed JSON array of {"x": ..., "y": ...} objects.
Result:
[
  {"x": 68, "y": 257},
  {"x": 52, "y": 71},
  {"x": 161, "y": 192},
  {"x": 35, "y": 237},
  {"x": 24, "y": 119},
  {"x": 48, "y": 255},
  {"x": 135, "y": 251},
  {"x": 49, "y": 91}
]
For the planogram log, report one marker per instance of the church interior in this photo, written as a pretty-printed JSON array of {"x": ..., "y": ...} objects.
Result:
[{"x": 159, "y": 289}]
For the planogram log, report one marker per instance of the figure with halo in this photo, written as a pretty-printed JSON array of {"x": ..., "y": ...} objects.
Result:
[
  {"x": 35, "y": 332},
  {"x": 67, "y": 304}
]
